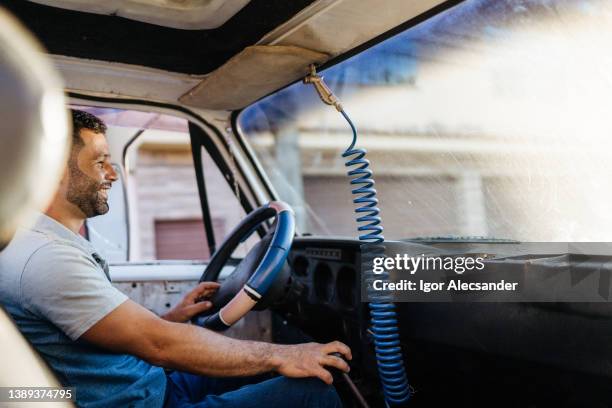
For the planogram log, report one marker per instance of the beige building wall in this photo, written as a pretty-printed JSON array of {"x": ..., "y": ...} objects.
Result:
[{"x": 166, "y": 189}]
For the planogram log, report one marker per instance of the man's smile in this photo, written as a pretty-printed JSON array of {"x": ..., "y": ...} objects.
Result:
[{"x": 104, "y": 189}]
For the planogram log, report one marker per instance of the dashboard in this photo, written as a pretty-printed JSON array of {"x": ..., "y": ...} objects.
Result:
[
  {"x": 324, "y": 298},
  {"x": 451, "y": 347}
]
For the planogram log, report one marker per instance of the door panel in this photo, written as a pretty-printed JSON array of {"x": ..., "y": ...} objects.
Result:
[{"x": 160, "y": 285}]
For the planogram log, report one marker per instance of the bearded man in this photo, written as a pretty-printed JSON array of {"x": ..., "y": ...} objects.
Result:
[{"x": 115, "y": 352}]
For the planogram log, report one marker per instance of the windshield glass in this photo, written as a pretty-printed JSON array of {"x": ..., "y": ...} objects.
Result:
[{"x": 492, "y": 119}]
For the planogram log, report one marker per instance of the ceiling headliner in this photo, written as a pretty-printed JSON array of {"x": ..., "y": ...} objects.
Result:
[
  {"x": 265, "y": 46},
  {"x": 95, "y": 36}
]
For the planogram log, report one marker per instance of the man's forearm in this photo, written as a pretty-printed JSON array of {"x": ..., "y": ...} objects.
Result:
[
  {"x": 201, "y": 351},
  {"x": 131, "y": 328}
]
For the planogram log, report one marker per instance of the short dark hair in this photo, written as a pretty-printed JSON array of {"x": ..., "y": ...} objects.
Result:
[{"x": 84, "y": 120}]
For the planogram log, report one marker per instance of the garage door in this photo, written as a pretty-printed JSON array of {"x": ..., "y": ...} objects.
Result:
[{"x": 184, "y": 239}]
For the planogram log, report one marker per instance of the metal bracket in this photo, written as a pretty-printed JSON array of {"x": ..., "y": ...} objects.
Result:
[{"x": 326, "y": 95}]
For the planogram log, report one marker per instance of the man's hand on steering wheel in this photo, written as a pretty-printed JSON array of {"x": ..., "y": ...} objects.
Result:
[
  {"x": 260, "y": 276},
  {"x": 193, "y": 303}
]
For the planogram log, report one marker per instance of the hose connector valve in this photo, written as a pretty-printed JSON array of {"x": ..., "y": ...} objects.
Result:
[{"x": 326, "y": 95}]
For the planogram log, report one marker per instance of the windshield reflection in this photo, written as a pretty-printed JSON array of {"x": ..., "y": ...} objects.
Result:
[{"x": 489, "y": 120}]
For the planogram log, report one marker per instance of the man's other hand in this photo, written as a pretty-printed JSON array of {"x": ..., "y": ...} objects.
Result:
[
  {"x": 309, "y": 360},
  {"x": 193, "y": 303}
]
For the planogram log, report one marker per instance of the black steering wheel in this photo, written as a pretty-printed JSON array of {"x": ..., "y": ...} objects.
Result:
[{"x": 254, "y": 282}]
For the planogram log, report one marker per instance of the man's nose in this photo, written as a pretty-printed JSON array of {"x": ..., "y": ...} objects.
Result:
[{"x": 111, "y": 174}]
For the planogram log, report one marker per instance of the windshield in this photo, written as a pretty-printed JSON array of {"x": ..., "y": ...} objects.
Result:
[{"x": 492, "y": 119}]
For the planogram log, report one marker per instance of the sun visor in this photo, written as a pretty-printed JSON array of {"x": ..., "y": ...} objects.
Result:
[{"x": 251, "y": 74}]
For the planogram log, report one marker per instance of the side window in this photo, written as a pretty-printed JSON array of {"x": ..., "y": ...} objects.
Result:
[
  {"x": 168, "y": 217},
  {"x": 155, "y": 206}
]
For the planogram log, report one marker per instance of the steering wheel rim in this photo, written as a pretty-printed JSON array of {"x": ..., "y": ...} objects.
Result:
[{"x": 267, "y": 269}]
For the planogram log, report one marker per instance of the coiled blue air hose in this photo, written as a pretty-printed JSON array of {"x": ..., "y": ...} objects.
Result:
[
  {"x": 383, "y": 318},
  {"x": 382, "y": 311}
]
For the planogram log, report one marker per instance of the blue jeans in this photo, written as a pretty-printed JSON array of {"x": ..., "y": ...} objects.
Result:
[{"x": 188, "y": 390}]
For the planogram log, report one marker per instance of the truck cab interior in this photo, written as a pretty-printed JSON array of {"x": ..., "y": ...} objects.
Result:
[{"x": 484, "y": 121}]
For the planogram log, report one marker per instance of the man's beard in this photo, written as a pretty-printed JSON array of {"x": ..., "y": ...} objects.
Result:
[{"x": 84, "y": 192}]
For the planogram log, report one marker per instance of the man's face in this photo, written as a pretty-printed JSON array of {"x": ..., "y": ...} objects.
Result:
[{"x": 90, "y": 175}]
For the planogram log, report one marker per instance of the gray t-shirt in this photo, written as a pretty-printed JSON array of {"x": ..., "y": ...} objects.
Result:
[{"x": 53, "y": 285}]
